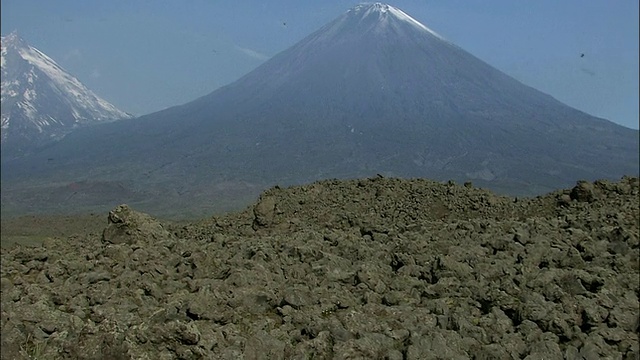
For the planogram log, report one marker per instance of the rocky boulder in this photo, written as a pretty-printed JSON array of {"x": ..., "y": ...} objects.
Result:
[{"x": 127, "y": 226}]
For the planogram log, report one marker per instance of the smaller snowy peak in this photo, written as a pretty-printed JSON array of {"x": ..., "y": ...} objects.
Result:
[
  {"x": 42, "y": 100},
  {"x": 385, "y": 12},
  {"x": 13, "y": 40}
]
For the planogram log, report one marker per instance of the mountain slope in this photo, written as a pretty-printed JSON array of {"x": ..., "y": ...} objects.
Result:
[
  {"x": 374, "y": 91},
  {"x": 40, "y": 100}
]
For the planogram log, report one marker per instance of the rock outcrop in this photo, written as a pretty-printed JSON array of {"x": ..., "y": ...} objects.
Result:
[{"x": 372, "y": 268}]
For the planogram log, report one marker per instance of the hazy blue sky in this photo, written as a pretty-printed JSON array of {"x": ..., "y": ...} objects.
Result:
[{"x": 146, "y": 55}]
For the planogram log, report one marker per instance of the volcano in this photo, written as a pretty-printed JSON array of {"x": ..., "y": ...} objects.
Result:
[
  {"x": 41, "y": 102},
  {"x": 372, "y": 92}
]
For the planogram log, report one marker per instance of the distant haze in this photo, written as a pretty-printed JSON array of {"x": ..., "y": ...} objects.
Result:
[{"x": 147, "y": 56}]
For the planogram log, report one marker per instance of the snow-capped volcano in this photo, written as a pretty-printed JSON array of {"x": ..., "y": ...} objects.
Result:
[
  {"x": 372, "y": 92},
  {"x": 40, "y": 100}
]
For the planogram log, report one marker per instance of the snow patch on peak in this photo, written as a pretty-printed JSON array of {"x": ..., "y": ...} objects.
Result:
[
  {"x": 368, "y": 9},
  {"x": 13, "y": 39},
  {"x": 384, "y": 11}
]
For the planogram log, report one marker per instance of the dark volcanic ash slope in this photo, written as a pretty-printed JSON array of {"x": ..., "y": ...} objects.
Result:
[
  {"x": 373, "y": 91},
  {"x": 374, "y": 268}
]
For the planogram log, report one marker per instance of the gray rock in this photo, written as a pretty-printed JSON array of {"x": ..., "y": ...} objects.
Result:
[
  {"x": 130, "y": 227},
  {"x": 583, "y": 192}
]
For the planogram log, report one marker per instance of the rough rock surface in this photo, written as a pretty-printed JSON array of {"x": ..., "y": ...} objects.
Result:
[
  {"x": 373, "y": 268},
  {"x": 130, "y": 227}
]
